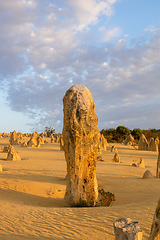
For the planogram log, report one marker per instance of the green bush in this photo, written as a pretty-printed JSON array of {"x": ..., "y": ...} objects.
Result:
[{"x": 105, "y": 198}]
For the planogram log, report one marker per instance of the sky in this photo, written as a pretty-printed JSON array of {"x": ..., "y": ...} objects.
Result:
[{"x": 110, "y": 46}]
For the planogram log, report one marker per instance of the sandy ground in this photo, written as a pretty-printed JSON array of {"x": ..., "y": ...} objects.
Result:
[{"x": 32, "y": 191}]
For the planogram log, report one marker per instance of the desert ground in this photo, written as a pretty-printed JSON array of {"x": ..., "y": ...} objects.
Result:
[{"x": 32, "y": 191}]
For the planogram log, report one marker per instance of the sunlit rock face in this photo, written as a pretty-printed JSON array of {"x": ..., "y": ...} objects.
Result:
[
  {"x": 143, "y": 143},
  {"x": 153, "y": 144},
  {"x": 13, "y": 155},
  {"x": 14, "y": 138},
  {"x": 81, "y": 141},
  {"x": 129, "y": 140}
]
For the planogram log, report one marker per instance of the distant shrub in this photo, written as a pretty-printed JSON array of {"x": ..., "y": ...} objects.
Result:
[{"x": 49, "y": 131}]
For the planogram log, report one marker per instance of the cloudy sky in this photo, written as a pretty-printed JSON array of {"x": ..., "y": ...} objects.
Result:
[{"x": 110, "y": 46}]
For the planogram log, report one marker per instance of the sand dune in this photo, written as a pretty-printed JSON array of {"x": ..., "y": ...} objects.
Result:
[{"x": 32, "y": 191}]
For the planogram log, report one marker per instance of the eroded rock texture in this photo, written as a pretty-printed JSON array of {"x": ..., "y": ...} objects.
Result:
[
  {"x": 34, "y": 141},
  {"x": 155, "y": 233},
  {"x": 103, "y": 143},
  {"x": 81, "y": 141},
  {"x": 14, "y": 138},
  {"x": 158, "y": 163},
  {"x": 143, "y": 143},
  {"x": 116, "y": 158},
  {"x": 126, "y": 229},
  {"x": 13, "y": 155},
  {"x": 129, "y": 140},
  {"x": 153, "y": 144}
]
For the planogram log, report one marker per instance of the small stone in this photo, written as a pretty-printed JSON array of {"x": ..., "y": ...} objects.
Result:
[
  {"x": 147, "y": 175},
  {"x": 126, "y": 229},
  {"x": 116, "y": 158},
  {"x": 99, "y": 158}
]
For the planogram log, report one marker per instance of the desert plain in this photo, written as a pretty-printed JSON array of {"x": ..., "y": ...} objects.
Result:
[{"x": 32, "y": 192}]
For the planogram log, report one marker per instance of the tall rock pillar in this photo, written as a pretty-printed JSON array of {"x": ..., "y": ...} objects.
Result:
[{"x": 81, "y": 141}]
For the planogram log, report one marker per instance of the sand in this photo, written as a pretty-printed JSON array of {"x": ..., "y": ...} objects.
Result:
[{"x": 32, "y": 191}]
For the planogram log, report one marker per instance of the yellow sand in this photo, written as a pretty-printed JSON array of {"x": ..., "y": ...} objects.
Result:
[{"x": 32, "y": 191}]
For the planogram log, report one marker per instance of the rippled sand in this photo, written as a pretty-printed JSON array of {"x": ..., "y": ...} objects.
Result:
[{"x": 32, "y": 191}]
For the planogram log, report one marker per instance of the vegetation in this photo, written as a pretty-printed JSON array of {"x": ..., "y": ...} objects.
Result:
[
  {"x": 120, "y": 133},
  {"x": 83, "y": 203},
  {"x": 105, "y": 198},
  {"x": 49, "y": 131}
]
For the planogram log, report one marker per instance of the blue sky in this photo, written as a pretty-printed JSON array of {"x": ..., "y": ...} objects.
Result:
[{"x": 112, "y": 47}]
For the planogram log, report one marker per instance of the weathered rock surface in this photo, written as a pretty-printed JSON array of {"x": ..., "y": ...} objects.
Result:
[
  {"x": 153, "y": 144},
  {"x": 129, "y": 140},
  {"x": 61, "y": 143},
  {"x": 81, "y": 141},
  {"x": 114, "y": 149},
  {"x": 0, "y": 168},
  {"x": 103, "y": 143},
  {"x": 116, "y": 158},
  {"x": 13, "y": 155},
  {"x": 14, "y": 138},
  {"x": 52, "y": 139},
  {"x": 139, "y": 163},
  {"x": 99, "y": 158},
  {"x": 143, "y": 143},
  {"x": 158, "y": 163},
  {"x": 155, "y": 228},
  {"x": 24, "y": 144},
  {"x": 147, "y": 175},
  {"x": 126, "y": 229},
  {"x": 33, "y": 142},
  {"x": 6, "y": 149}
]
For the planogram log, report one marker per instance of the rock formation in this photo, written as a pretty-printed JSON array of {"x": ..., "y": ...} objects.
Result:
[
  {"x": 103, "y": 143},
  {"x": 81, "y": 141},
  {"x": 156, "y": 223},
  {"x": 157, "y": 143},
  {"x": 24, "y": 144},
  {"x": 52, "y": 139},
  {"x": 6, "y": 149},
  {"x": 139, "y": 164},
  {"x": 116, "y": 158},
  {"x": 42, "y": 139},
  {"x": 99, "y": 158},
  {"x": 158, "y": 163},
  {"x": 147, "y": 175},
  {"x": 14, "y": 138},
  {"x": 143, "y": 143},
  {"x": 61, "y": 143},
  {"x": 0, "y": 168},
  {"x": 33, "y": 142},
  {"x": 129, "y": 140},
  {"x": 13, "y": 155},
  {"x": 153, "y": 144},
  {"x": 126, "y": 229},
  {"x": 114, "y": 149}
]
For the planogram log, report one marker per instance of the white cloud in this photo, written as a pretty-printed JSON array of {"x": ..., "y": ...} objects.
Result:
[
  {"x": 43, "y": 54},
  {"x": 88, "y": 12},
  {"x": 108, "y": 34}
]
